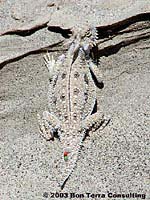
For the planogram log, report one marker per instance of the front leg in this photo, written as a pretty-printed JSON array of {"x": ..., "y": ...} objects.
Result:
[
  {"x": 95, "y": 121},
  {"x": 94, "y": 70},
  {"x": 48, "y": 125},
  {"x": 52, "y": 65}
]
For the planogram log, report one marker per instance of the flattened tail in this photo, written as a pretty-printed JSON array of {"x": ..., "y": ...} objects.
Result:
[
  {"x": 68, "y": 161},
  {"x": 62, "y": 184},
  {"x": 66, "y": 168},
  {"x": 65, "y": 176}
]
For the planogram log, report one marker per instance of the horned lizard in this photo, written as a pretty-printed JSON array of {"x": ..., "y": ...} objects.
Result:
[{"x": 72, "y": 97}]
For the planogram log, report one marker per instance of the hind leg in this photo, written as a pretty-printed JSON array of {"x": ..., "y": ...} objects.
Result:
[
  {"x": 95, "y": 121},
  {"x": 48, "y": 125}
]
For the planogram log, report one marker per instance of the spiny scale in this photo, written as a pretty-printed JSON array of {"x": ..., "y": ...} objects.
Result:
[{"x": 72, "y": 97}]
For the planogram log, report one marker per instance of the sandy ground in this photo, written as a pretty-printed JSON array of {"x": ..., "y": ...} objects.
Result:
[{"x": 114, "y": 160}]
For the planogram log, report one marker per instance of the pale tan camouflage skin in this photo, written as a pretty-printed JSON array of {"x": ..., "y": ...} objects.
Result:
[{"x": 71, "y": 96}]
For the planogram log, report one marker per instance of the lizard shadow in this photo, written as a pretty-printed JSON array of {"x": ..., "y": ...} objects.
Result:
[{"x": 100, "y": 84}]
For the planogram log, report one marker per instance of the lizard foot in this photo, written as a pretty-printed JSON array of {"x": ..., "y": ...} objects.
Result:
[{"x": 48, "y": 125}]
